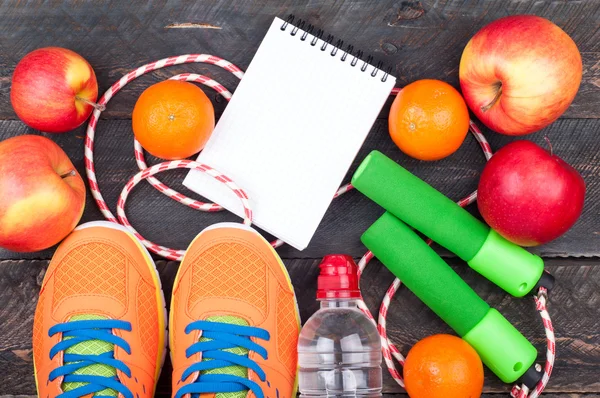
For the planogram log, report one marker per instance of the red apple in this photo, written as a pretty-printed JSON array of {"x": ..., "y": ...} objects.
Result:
[
  {"x": 53, "y": 89},
  {"x": 529, "y": 195},
  {"x": 520, "y": 73},
  {"x": 41, "y": 194}
]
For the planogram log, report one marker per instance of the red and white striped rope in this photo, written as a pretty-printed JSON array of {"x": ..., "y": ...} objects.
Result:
[
  {"x": 390, "y": 351},
  {"x": 163, "y": 251},
  {"x": 541, "y": 302},
  {"x": 141, "y": 160},
  {"x": 115, "y": 88}
]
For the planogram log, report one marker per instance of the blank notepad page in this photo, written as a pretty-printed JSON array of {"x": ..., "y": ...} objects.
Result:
[{"x": 291, "y": 131}]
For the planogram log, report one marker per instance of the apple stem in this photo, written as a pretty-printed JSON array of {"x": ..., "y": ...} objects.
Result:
[
  {"x": 96, "y": 106},
  {"x": 549, "y": 144},
  {"x": 495, "y": 99},
  {"x": 70, "y": 173}
]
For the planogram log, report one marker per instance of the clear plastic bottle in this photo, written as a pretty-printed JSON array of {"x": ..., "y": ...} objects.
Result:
[{"x": 339, "y": 350}]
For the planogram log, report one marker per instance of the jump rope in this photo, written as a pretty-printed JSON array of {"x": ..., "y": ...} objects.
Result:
[{"x": 389, "y": 350}]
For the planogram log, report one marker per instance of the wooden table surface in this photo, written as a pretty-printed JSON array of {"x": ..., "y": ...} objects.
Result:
[{"x": 419, "y": 39}]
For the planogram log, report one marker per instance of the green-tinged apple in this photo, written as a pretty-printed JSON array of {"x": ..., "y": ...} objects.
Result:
[
  {"x": 53, "y": 89},
  {"x": 42, "y": 196},
  {"x": 520, "y": 73}
]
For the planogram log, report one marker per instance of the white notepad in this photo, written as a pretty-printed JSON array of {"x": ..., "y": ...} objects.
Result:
[{"x": 291, "y": 131}]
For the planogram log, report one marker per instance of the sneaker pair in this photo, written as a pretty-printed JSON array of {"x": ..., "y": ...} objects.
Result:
[{"x": 100, "y": 323}]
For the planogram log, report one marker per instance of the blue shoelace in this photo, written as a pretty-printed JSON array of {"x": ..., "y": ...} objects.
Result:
[
  {"x": 83, "y": 331},
  {"x": 223, "y": 336}
]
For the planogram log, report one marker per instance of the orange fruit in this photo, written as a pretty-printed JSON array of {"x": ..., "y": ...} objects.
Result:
[
  {"x": 173, "y": 119},
  {"x": 429, "y": 120},
  {"x": 443, "y": 366}
]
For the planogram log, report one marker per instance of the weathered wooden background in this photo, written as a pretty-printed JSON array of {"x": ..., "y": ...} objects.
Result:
[{"x": 419, "y": 39}]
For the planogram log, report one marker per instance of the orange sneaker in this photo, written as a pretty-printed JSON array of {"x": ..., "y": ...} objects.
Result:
[
  {"x": 99, "y": 326},
  {"x": 234, "y": 321}
]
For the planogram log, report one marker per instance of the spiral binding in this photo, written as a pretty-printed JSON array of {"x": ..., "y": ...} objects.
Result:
[{"x": 328, "y": 41}]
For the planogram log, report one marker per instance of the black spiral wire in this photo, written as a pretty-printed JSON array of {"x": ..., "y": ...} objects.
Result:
[{"x": 328, "y": 41}]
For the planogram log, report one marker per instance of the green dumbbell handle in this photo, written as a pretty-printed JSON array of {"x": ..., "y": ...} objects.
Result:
[
  {"x": 424, "y": 208},
  {"x": 501, "y": 347}
]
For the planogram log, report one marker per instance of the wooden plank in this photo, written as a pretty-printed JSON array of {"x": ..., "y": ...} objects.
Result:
[
  {"x": 419, "y": 39},
  {"x": 574, "y": 309},
  {"x": 172, "y": 224}
]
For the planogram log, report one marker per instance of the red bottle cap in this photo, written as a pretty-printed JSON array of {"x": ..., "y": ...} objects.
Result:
[{"x": 338, "y": 277}]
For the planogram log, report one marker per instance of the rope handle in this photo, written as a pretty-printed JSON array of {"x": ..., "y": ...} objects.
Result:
[
  {"x": 389, "y": 350},
  {"x": 541, "y": 304}
]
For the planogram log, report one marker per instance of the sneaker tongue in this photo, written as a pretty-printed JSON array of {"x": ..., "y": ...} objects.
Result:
[
  {"x": 91, "y": 347},
  {"x": 231, "y": 370}
]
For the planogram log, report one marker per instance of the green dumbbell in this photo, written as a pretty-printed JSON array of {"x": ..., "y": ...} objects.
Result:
[
  {"x": 427, "y": 210},
  {"x": 501, "y": 347}
]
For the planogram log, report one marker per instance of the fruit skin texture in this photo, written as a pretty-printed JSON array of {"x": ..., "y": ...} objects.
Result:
[
  {"x": 533, "y": 62},
  {"x": 529, "y": 195},
  {"x": 429, "y": 120},
  {"x": 38, "y": 208},
  {"x": 45, "y": 87},
  {"x": 443, "y": 366},
  {"x": 173, "y": 119}
]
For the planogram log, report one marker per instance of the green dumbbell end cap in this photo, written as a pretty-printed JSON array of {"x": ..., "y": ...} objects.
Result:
[
  {"x": 501, "y": 347},
  {"x": 420, "y": 205},
  {"x": 419, "y": 267},
  {"x": 507, "y": 265}
]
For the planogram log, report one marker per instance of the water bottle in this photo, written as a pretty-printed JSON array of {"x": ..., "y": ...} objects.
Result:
[{"x": 339, "y": 350}]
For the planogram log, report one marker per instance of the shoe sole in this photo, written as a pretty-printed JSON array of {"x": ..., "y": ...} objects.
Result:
[
  {"x": 283, "y": 268},
  {"x": 162, "y": 322}
]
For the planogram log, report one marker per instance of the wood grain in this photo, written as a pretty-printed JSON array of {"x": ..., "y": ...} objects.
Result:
[
  {"x": 574, "y": 308},
  {"x": 419, "y": 39},
  {"x": 170, "y": 223}
]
